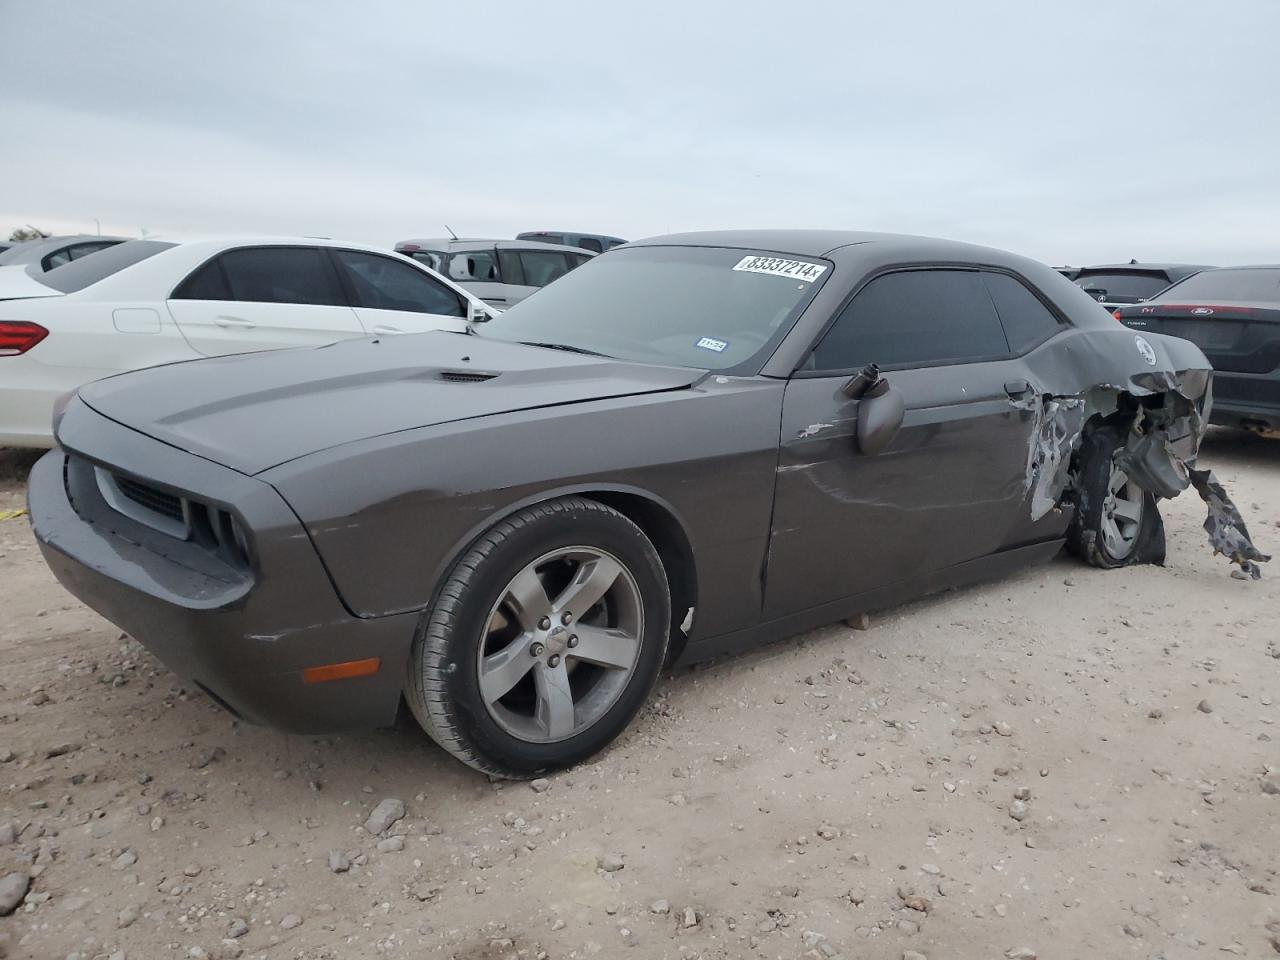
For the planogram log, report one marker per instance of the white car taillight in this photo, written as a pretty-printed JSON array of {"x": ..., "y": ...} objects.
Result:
[{"x": 19, "y": 336}]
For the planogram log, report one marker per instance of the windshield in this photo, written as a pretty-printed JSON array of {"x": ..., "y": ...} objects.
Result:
[
  {"x": 705, "y": 307},
  {"x": 1123, "y": 287},
  {"x": 1245, "y": 284}
]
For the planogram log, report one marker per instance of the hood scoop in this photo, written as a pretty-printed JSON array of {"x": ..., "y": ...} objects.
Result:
[{"x": 466, "y": 376}]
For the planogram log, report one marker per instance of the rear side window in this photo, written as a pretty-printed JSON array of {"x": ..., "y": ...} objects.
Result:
[
  {"x": 589, "y": 243},
  {"x": 479, "y": 265},
  {"x": 432, "y": 258},
  {"x": 509, "y": 260},
  {"x": 1025, "y": 318},
  {"x": 207, "y": 283},
  {"x": 299, "y": 275},
  {"x": 81, "y": 273},
  {"x": 381, "y": 283},
  {"x": 542, "y": 266},
  {"x": 914, "y": 318}
]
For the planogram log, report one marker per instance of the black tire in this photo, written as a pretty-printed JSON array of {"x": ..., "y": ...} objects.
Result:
[
  {"x": 443, "y": 686},
  {"x": 1087, "y": 537}
]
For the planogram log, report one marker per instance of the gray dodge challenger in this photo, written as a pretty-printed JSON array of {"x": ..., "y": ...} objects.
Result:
[{"x": 688, "y": 445}]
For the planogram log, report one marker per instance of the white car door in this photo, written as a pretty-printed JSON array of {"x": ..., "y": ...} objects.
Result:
[
  {"x": 263, "y": 298},
  {"x": 392, "y": 296}
]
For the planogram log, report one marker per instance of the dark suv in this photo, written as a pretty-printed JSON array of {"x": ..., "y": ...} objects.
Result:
[
  {"x": 1120, "y": 284},
  {"x": 1233, "y": 315}
]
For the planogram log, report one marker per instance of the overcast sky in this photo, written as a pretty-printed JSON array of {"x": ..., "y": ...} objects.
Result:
[{"x": 1072, "y": 132}]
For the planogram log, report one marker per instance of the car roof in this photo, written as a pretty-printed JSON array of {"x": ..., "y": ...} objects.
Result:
[
  {"x": 572, "y": 233},
  {"x": 450, "y": 245},
  {"x": 220, "y": 242},
  {"x": 837, "y": 245},
  {"x": 1180, "y": 269},
  {"x": 1245, "y": 266}
]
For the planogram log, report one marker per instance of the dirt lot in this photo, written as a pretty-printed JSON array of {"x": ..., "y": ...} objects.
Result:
[{"x": 845, "y": 793}]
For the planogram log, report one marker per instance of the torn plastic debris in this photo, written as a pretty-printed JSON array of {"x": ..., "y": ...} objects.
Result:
[
  {"x": 1227, "y": 532},
  {"x": 1159, "y": 454},
  {"x": 1060, "y": 422}
]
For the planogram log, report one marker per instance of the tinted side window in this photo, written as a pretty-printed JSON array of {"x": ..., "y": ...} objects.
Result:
[
  {"x": 281, "y": 275},
  {"x": 509, "y": 260},
  {"x": 207, "y": 283},
  {"x": 589, "y": 243},
  {"x": 474, "y": 265},
  {"x": 914, "y": 317},
  {"x": 542, "y": 266},
  {"x": 432, "y": 258},
  {"x": 1026, "y": 320},
  {"x": 381, "y": 283}
]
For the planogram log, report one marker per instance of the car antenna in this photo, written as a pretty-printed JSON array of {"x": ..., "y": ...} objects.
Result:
[{"x": 451, "y": 233}]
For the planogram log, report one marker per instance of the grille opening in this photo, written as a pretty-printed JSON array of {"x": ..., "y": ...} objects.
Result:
[
  {"x": 147, "y": 496},
  {"x": 210, "y": 527}
]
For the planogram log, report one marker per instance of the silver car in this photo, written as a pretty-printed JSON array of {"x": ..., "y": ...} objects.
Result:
[{"x": 499, "y": 272}]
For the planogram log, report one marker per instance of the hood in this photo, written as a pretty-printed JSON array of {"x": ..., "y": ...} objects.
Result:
[
  {"x": 255, "y": 411},
  {"x": 17, "y": 284}
]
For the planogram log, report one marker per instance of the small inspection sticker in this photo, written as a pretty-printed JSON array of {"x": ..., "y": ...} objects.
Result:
[
  {"x": 711, "y": 343},
  {"x": 776, "y": 267}
]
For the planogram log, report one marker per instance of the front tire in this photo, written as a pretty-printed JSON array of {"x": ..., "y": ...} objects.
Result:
[
  {"x": 1117, "y": 523},
  {"x": 544, "y": 642}
]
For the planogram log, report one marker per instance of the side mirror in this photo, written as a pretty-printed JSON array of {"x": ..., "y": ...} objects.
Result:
[
  {"x": 477, "y": 312},
  {"x": 880, "y": 409}
]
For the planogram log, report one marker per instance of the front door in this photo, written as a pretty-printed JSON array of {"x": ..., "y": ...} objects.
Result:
[
  {"x": 952, "y": 484},
  {"x": 263, "y": 298}
]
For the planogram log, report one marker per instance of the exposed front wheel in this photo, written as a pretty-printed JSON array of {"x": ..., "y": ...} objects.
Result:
[
  {"x": 544, "y": 641},
  {"x": 1117, "y": 523}
]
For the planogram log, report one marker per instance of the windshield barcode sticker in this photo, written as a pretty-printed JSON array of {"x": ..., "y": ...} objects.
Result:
[{"x": 795, "y": 269}]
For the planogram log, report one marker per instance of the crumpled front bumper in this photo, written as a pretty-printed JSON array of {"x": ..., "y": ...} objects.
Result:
[{"x": 243, "y": 635}]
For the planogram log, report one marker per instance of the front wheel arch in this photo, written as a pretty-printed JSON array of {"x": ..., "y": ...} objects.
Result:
[{"x": 658, "y": 519}]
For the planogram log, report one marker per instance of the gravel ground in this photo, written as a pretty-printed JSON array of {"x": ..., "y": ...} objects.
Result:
[{"x": 1066, "y": 763}]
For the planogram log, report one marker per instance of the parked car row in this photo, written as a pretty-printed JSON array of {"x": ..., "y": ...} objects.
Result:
[
  {"x": 83, "y": 307},
  {"x": 155, "y": 301},
  {"x": 682, "y": 447},
  {"x": 1231, "y": 313}
]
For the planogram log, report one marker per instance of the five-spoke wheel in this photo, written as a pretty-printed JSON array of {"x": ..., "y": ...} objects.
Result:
[{"x": 544, "y": 641}]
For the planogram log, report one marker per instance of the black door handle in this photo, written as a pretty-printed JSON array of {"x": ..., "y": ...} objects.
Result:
[{"x": 1017, "y": 389}]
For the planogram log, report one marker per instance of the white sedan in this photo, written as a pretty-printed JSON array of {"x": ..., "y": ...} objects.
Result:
[{"x": 147, "y": 302}]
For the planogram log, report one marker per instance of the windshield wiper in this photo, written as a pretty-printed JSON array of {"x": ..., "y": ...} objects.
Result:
[{"x": 566, "y": 347}]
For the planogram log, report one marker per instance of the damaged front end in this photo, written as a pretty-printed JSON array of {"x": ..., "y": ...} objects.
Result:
[{"x": 1156, "y": 420}]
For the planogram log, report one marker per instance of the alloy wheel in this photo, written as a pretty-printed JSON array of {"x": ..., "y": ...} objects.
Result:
[{"x": 560, "y": 644}]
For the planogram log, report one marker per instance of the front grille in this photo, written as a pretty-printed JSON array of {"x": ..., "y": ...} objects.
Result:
[
  {"x": 206, "y": 526},
  {"x": 165, "y": 504}
]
